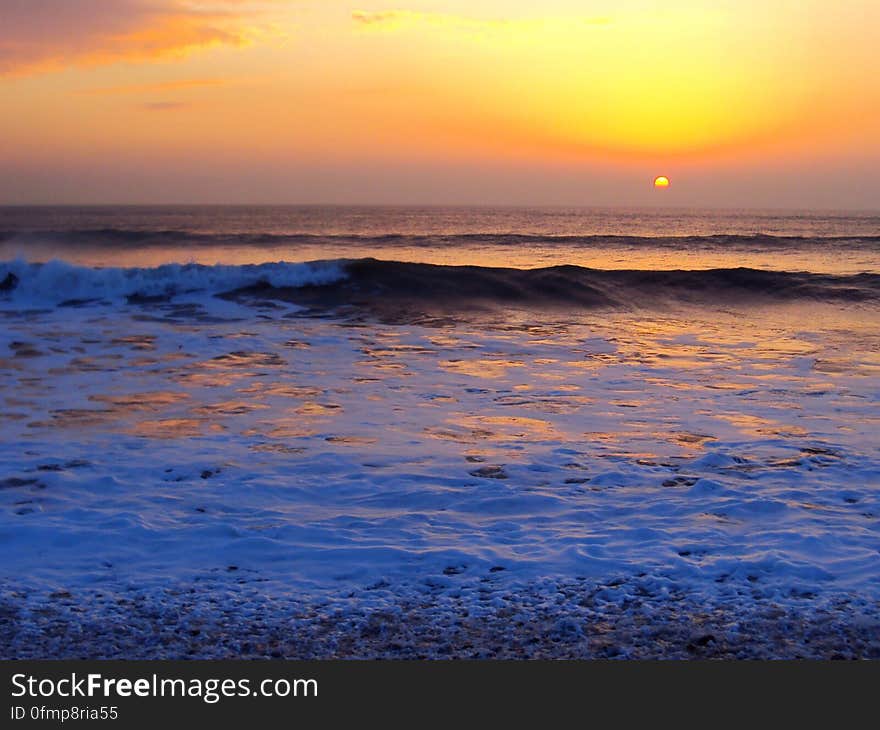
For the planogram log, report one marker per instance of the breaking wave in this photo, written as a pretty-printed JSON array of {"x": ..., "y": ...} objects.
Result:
[
  {"x": 392, "y": 283},
  {"x": 58, "y": 282}
]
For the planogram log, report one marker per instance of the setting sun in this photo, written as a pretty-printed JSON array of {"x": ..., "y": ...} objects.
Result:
[
  {"x": 661, "y": 181},
  {"x": 495, "y": 101}
]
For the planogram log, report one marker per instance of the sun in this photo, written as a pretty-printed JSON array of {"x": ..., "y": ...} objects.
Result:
[{"x": 661, "y": 181}]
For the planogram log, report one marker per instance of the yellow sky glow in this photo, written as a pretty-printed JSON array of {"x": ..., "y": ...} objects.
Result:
[{"x": 626, "y": 85}]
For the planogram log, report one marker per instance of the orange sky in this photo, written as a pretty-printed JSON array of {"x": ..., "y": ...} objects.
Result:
[{"x": 769, "y": 103}]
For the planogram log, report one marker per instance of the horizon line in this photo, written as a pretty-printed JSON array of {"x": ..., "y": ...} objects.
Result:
[{"x": 482, "y": 206}]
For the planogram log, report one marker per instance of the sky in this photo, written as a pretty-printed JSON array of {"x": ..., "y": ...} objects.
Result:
[{"x": 741, "y": 103}]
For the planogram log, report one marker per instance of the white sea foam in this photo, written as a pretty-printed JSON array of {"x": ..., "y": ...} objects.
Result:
[
  {"x": 318, "y": 457},
  {"x": 186, "y": 462},
  {"x": 57, "y": 281}
]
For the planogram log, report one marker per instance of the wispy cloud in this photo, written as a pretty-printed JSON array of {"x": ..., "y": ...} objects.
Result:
[
  {"x": 396, "y": 19},
  {"x": 165, "y": 105},
  {"x": 52, "y": 34},
  {"x": 159, "y": 87},
  {"x": 391, "y": 19}
]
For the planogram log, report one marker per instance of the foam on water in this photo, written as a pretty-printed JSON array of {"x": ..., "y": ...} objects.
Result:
[
  {"x": 425, "y": 285},
  {"x": 142, "y": 442},
  {"x": 59, "y": 281},
  {"x": 703, "y": 436}
]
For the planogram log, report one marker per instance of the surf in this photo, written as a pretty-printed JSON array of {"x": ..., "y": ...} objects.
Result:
[{"x": 371, "y": 282}]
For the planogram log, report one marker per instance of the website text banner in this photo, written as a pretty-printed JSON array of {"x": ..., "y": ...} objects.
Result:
[{"x": 141, "y": 694}]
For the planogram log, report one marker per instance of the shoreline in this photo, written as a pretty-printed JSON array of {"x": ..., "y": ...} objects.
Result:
[
  {"x": 565, "y": 619},
  {"x": 387, "y": 466}
]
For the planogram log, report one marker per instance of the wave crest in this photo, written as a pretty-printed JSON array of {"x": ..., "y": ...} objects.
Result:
[
  {"x": 372, "y": 283},
  {"x": 57, "y": 282},
  {"x": 395, "y": 284}
]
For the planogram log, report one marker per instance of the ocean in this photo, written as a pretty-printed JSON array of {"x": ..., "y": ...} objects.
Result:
[
  {"x": 839, "y": 243},
  {"x": 455, "y": 431}
]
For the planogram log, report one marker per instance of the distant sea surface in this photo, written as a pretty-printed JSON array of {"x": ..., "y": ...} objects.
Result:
[{"x": 647, "y": 239}]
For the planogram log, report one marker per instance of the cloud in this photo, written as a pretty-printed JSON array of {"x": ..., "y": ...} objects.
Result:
[
  {"x": 161, "y": 106},
  {"x": 396, "y": 19},
  {"x": 155, "y": 87},
  {"x": 392, "y": 19},
  {"x": 364, "y": 17},
  {"x": 52, "y": 34}
]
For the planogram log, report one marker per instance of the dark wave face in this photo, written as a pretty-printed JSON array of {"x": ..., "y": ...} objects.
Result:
[
  {"x": 394, "y": 289},
  {"x": 389, "y": 287}
]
